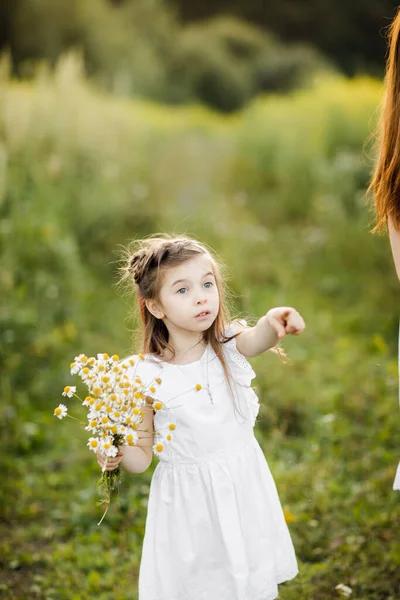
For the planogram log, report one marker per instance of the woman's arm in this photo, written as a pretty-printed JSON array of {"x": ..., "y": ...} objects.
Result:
[{"x": 394, "y": 236}]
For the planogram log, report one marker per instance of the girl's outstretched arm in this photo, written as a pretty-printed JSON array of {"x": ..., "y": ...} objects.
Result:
[
  {"x": 269, "y": 330},
  {"x": 394, "y": 236}
]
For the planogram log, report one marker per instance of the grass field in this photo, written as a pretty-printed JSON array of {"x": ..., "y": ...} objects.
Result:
[{"x": 279, "y": 192}]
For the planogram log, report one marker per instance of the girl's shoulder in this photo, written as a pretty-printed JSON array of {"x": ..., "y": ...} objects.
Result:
[
  {"x": 144, "y": 366},
  {"x": 240, "y": 367},
  {"x": 234, "y": 327}
]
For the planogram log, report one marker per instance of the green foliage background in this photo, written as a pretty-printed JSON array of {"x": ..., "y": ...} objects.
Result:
[
  {"x": 278, "y": 191},
  {"x": 139, "y": 48}
]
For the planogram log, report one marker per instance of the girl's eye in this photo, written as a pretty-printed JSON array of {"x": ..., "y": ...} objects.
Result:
[{"x": 180, "y": 289}]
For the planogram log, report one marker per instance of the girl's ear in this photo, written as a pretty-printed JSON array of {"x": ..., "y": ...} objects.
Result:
[{"x": 154, "y": 308}]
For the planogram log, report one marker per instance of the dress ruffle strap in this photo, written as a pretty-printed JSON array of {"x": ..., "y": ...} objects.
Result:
[{"x": 240, "y": 368}]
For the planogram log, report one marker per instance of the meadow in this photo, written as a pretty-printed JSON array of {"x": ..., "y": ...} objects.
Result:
[{"x": 278, "y": 190}]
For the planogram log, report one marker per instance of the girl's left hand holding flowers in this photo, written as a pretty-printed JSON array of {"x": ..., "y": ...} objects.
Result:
[
  {"x": 109, "y": 463},
  {"x": 117, "y": 403},
  {"x": 285, "y": 320}
]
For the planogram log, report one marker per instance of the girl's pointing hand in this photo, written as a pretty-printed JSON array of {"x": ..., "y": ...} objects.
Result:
[{"x": 284, "y": 319}]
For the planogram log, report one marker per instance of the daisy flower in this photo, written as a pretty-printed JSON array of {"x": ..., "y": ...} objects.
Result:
[
  {"x": 93, "y": 444},
  {"x": 69, "y": 391},
  {"x": 60, "y": 411},
  {"x": 108, "y": 448},
  {"x": 74, "y": 368},
  {"x": 131, "y": 437},
  {"x": 158, "y": 448}
]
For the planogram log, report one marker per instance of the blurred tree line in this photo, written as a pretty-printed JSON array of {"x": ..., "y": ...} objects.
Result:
[
  {"x": 216, "y": 52},
  {"x": 349, "y": 33},
  {"x": 142, "y": 48}
]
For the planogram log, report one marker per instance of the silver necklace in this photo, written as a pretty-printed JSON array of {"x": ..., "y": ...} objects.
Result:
[{"x": 207, "y": 387}]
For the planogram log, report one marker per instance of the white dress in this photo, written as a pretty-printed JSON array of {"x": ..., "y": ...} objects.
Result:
[
  {"x": 396, "y": 483},
  {"x": 215, "y": 528}
]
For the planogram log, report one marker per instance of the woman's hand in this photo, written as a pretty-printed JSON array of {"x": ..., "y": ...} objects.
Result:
[
  {"x": 285, "y": 319},
  {"x": 109, "y": 463}
]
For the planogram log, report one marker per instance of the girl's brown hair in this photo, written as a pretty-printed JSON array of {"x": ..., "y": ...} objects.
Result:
[
  {"x": 385, "y": 182},
  {"x": 144, "y": 262}
]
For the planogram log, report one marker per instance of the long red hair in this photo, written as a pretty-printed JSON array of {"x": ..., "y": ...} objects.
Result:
[{"x": 385, "y": 182}]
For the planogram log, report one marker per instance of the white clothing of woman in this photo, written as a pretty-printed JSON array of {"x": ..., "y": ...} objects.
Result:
[
  {"x": 394, "y": 237},
  {"x": 215, "y": 528},
  {"x": 396, "y": 483}
]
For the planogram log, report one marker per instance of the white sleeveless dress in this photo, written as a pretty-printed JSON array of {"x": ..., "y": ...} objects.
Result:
[
  {"x": 215, "y": 528},
  {"x": 396, "y": 483}
]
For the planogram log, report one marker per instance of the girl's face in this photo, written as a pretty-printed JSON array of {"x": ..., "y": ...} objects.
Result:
[{"x": 188, "y": 290}]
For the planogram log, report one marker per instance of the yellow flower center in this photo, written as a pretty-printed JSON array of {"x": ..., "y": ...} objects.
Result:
[
  {"x": 157, "y": 405},
  {"x": 57, "y": 411},
  {"x": 158, "y": 380},
  {"x": 115, "y": 357},
  {"x": 85, "y": 371},
  {"x": 198, "y": 387},
  {"x": 94, "y": 443},
  {"x": 172, "y": 426},
  {"x": 67, "y": 388},
  {"x": 159, "y": 447}
]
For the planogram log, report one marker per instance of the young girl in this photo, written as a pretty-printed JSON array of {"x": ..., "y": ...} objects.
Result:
[
  {"x": 385, "y": 183},
  {"x": 215, "y": 529}
]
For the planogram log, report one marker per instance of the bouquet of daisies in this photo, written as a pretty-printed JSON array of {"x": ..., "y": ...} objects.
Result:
[{"x": 115, "y": 402}]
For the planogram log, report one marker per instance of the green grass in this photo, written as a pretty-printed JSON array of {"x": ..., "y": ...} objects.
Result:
[{"x": 278, "y": 191}]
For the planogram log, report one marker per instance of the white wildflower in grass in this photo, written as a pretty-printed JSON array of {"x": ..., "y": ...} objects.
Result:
[
  {"x": 344, "y": 590},
  {"x": 115, "y": 402},
  {"x": 60, "y": 411}
]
